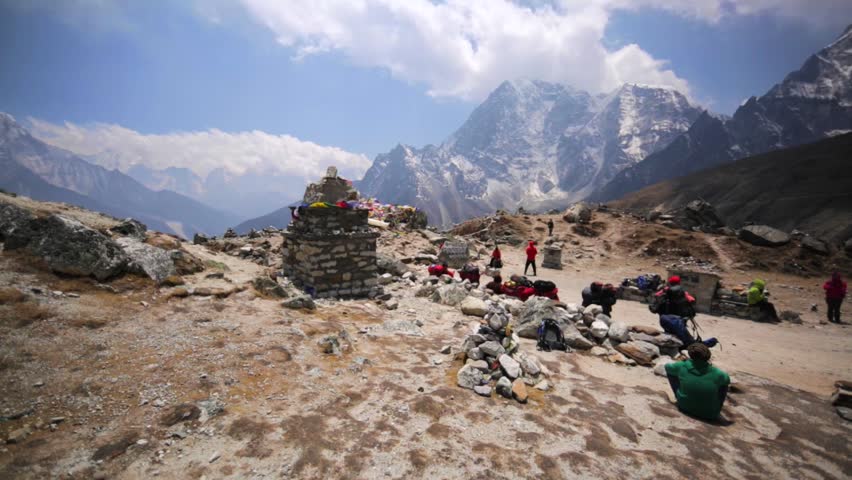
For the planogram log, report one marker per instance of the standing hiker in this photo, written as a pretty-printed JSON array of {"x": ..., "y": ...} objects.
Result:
[
  {"x": 835, "y": 292},
  {"x": 531, "y": 253},
  {"x": 496, "y": 258},
  {"x": 699, "y": 387},
  {"x": 550, "y": 227}
]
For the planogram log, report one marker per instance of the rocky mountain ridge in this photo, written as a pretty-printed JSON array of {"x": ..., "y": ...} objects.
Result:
[{"x": 531, "y": 143}]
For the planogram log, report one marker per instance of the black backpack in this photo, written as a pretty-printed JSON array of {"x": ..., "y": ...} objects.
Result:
[
  {"x": 521, "y": 280},
  {"x": 550, "y": 336},
  {"x": 542, "y": 286}
]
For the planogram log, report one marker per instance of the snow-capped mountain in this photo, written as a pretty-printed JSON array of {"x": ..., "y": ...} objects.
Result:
[
  {"x": 31, "y": 167},
  {"x": 533, "y": 144},
  {"x": 811, "y": 103}
]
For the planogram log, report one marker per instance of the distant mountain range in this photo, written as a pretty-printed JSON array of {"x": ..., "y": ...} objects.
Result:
[
  {"x": 43, "y": 172},
  {"x": 811, "y": 103},
  {"x": 533, "y": 144},
  {"x": 541, "y": 145},
  {"x": 808, "y": 187}
]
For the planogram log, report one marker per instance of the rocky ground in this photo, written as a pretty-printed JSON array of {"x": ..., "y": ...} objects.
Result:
[{"x": 214, "y": 378}]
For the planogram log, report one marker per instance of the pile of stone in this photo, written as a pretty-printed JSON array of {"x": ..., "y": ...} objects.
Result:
[
  {"x": 494, "y": 362},
  {"x": 697, "y": 215}
]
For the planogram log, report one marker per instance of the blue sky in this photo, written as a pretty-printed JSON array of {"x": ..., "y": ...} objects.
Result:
[{"x": 166, "y": 67}]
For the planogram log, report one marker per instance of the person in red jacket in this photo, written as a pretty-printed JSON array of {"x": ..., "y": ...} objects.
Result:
[
  {"x": 496, "y": 258},
  {"x": 835, "y": 292},
  {"x": 531, "y": 253}
]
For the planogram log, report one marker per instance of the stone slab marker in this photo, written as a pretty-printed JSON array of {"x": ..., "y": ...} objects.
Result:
[{"x": 552, "y": 257}]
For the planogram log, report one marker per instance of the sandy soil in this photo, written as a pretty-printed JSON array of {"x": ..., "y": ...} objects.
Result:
[{"x": 388, "y": 407}]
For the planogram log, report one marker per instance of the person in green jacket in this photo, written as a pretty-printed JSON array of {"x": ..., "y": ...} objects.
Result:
[
  {"x": 757, "y": 298},
  {"x": 700, "y": 388}
]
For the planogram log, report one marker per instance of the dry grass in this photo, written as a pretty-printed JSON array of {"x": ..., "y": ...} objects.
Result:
[
  {"x": 24, "y": 313},
  {"x": 11, "y": 295}
]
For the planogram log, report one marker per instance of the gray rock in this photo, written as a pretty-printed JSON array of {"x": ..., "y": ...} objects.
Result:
[
  {"x": 619, "y": 332},
  {"x": 510, "y": 366},
  {"x": 534, "y": 311},
  {"x": 450, "y": 294},
  {"x": 12, "y": 217},
  {"x": 130, "y": 227},
  {"x": 472, "y": 341},
  {"x": 330, "y": 345},
  {"x": 474, "y": 306},
  {"x": 814, "y": 245},
  {"x": 599, "y": 329},
  {"x": 475, "y": 354},
  {"x": 302, "y": 302},
  {"x": 425, "y": 290},
  {"x": 480, "y": 365},
  {"x": 268, "y": 286},
  {"x": 602, "y": 317},
  {"x": 200, "y": 239},
  {"x": 504, "y": 387},
  {"x": 528, "y": 364},
  {"x": 67, "y": 246},
  {"x": 575, "y": 339},
  {"x": 642, "y": 352},
  {"x": 492, "y": 349},
  {"x": 578, "y": 213},
  {"x": 385, "y": 279},
  {"x": 392, "y": 304},
  {"x": 484, "y": 390},
  {"x": 469, "y": 377},
  {"x": 599, "y": 351},
  {"x": 791, "y": 316},
  {"x": 389, "y": 265},
  {"x": 663, "y": 340},
  {"x": 18, "y": 436},
  {"x": 148, "y": 260},
  {"x": 844, "y": 412},
  {"x": 764, "y": 236}
]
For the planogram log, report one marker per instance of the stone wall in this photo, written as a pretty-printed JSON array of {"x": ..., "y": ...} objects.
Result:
[{"x": 331, "y": 252}]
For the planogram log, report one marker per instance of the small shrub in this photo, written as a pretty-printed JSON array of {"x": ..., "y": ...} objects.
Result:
[{"x": 11, "y": 295}]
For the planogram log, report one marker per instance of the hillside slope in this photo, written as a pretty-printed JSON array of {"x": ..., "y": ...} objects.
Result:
[
  {"x": 109, "y": 191},
  {"x": 807, "y": 187}
]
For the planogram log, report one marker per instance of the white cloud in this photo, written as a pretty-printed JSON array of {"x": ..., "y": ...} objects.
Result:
[
  {"x": 465, "y": 48},
  {"x": 257, "y": 152}
]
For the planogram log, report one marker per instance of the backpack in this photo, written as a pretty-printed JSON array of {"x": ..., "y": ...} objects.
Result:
[
  {"x": 521, "y": 280},
  {"x": 550, "y": 336},
  {"x": 544, "y": 286}
]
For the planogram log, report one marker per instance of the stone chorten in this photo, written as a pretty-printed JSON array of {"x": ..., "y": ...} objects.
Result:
[{"x": 330, "y": 252}]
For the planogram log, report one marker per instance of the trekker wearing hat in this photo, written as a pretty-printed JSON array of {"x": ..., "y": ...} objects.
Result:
[
  {"x": 673, "y": 300},
  {"x": 699, "y": 387},
  {"x": 835, "y": 292},
  {"x": 531, "y": 253},
  {"x": 757, "y": 298}
]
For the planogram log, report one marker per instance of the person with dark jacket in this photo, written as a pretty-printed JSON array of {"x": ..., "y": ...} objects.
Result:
[
  {"x": 550, "y": 227},
  {"x": 699, "y": 387},
  {"x": 496, "y": 258},
  {"x": 599, "y": 294},
  {"x": 835, "y": 292},
  {"x": 673, "y": 300},
  {"x": 531, "y": 253},
  {"x": 495, "y": 285}
]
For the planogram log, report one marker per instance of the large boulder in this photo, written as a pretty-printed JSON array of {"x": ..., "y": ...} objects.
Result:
[
  {"x": 450, "y": 294},
  {"x": 12, "y": 217},
  {"x": 599, "y": 329},
  {"x": 663, "y": 340},
  {"x": 69, "y": 247},
  {"x": 510, "y": 366},
  {"x": 764, "y": 236},
  {"x": 698, "y": 214},
  {"x": 578, "y": 213},
  {"x": 575, "y": 339},
  {"x": 643, "y": 352},
  {"x": 536, "y": 309},
  {"x": 148, "y": 260},
  {"x": 474, "y": 306}
]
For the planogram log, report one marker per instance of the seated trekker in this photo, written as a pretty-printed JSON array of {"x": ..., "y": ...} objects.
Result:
[{"x": 699, "y": 387}]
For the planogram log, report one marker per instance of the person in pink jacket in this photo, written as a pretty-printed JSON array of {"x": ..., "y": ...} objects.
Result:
[{"x": 835, "y": 292}]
